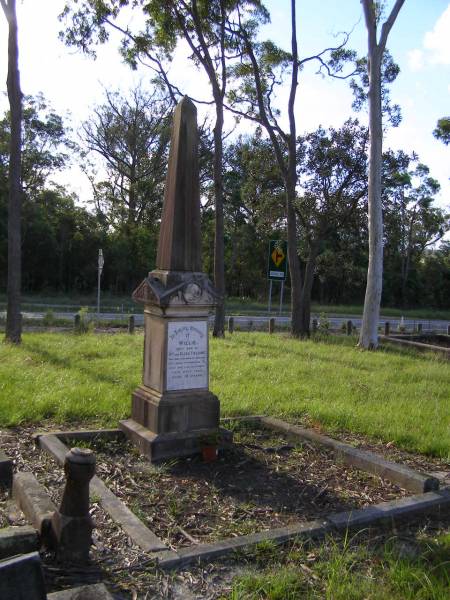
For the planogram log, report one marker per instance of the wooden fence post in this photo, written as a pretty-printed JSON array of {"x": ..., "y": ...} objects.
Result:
[
  {"x": 230, "y": 324},
  {"x": 271, "y": 325}
]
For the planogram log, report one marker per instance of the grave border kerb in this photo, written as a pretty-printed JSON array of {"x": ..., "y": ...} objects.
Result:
[{"x": 427, "y": 498}]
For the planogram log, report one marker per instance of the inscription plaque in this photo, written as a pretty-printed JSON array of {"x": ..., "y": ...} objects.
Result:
[{"x": 187, "y": 355}]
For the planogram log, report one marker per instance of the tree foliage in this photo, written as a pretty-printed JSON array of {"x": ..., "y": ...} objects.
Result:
[
  {"x": 131, "y": 136},
  {"x": 442, "y": 131}
]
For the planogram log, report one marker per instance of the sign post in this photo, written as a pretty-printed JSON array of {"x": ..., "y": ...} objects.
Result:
[
  {"x": 277, "y": 267},
  {"x": 101, "y": 262}
]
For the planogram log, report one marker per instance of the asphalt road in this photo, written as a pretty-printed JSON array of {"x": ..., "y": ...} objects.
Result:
[{"x": 260, "y": 322}]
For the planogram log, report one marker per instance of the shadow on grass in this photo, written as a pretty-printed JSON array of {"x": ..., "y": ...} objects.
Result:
[{"x": 72, "y": 364}]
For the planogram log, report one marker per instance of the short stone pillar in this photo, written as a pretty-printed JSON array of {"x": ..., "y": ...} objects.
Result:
[
  {"x": 71, "y": 524},
  {"x": 387, "y": 328},
  {"x": 419, "y": 327},
  {"x": 230, "y": 324},
  {"x": 131, "y": 324},
  {"x": 271, "y": 325},
  {"x": 349, "y": 327},
  {"x": 76, "y": 322},
  {"x": 314, "y": 325}
]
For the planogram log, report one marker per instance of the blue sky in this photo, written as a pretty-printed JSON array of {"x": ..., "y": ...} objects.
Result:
[{"x": 419, "y": 42}]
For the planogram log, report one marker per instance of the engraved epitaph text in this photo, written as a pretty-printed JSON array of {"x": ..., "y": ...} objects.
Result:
[{"x": 187, "y": 355}]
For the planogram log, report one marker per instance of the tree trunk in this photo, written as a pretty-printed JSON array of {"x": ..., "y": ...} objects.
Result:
[
  {"x": 368, "y": 338},
  {"x": 14, "y": 317},
  {"x": 294, "y": 263},
  {"x": 219, "y": 261},
  {"x": 307, "y": 288}
]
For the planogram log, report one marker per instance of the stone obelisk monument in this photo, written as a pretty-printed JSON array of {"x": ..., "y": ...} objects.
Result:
[{"x": 173, "y": 410}]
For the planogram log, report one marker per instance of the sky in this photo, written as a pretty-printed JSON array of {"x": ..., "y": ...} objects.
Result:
[{"x": 419, "y": 42}]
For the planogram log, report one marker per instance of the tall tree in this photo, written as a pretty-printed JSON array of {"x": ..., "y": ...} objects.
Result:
[
  {"x": 131, "y": 137},
  {"x": 333, "y": 182},
  {"x": 412, "y": 223},
  {"x": 13, "y": 331},
  {"x": 203, "y": 24},
  {"x": 262, "y": 69},
  {"x": 368, "y": 338}
]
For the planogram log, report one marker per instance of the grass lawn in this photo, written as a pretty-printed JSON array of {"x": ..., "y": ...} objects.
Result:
[
  {"x": 393, "y": 394},
  {"x": 390, "y": 394},
  {"x": 403, "y": 568}
]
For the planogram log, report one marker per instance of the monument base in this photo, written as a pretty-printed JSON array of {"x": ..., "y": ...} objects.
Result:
[
  {"x": 175, "y": 423},
  {"x": 158, "y": 447},
  {"x": 175, "y": 411}
]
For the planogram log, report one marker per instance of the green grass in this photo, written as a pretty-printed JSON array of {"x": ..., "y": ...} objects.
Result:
[
  {"x": 390, "y": 394},
  {"x": 393, "y": 395},
  {"x": 418, "y": 570}
]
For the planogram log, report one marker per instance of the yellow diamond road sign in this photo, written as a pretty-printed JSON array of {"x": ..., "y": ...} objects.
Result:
[{"x": 278, "y": 256}]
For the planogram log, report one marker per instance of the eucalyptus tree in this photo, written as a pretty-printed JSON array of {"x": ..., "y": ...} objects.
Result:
[
  {"x": 442, "y": 130},
  {"x": 412, "y": 222},
  {"x": 45, "y": 146},
  {"x": 203, "y": 25},
  {"x": 13, "y": 332},
  {"x": 332, "y": 170},
  {"x": 368, "y": 338},
  {"x": 262, "y": 69},
  {"x": 130, "y": 135}
]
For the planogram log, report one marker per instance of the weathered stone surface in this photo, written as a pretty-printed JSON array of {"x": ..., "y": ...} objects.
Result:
[
  {"x": 21, "y": 578},
  {"x": 157, "y": 447},
  {"x": 121, "y": 514},
  {"x": 85, "y": 592},
  {"x": 368, "y": 461},
  {"x": 175, "y": 288},
  {"x": 173, "y": 407},
  {"x": 6, "y": 470},
  {"x": 34, "y": 502},
  {"x": 394, "y": 511},
  {"x": 280, "y": 535},
  {"x": 175, "y": 412},
  {"x": 431, "y": 503},
  {"x": 179, "y": 247},
  {"x": 18, "y": 540},
  {"x": 72, "y": 524},
  {"x": 117, "y": 510}
]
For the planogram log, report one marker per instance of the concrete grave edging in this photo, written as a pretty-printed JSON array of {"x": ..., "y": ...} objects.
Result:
[
  {"x": 405, "y": 477},
  {"x": 445, "y": 352},
  {"x": 383, "y": 513},
  {"x": 18, "y": 540},
  {"x": 429, "y": 500},
  {"x": 139, "y": 533},
  {"x": 33, "y": 500}
]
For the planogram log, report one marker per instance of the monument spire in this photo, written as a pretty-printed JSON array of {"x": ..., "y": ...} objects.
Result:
[{"x": 179, "y": 246}]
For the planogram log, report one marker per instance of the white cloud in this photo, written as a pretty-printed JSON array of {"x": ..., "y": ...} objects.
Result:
[
  {"x": 436, "y": 45},
  {"x": 437, "y": 41},
  {"x": 415, "y": 59}
]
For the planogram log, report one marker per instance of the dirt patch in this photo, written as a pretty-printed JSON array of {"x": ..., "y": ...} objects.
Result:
[{"x": 263, "y": 482}]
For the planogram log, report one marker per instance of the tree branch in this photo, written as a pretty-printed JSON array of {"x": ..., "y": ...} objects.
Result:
[{"x": 387, "y": 25}]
